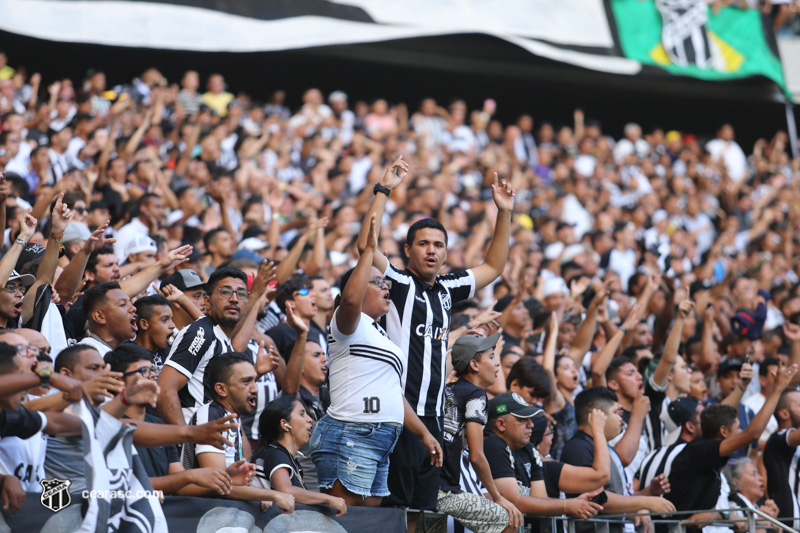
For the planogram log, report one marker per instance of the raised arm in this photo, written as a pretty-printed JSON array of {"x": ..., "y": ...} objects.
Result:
[
  {"x": 139, "y": 282},
  {"x": 392, "y": 179},
  {"x": 497, "y": 255},
  {"x": 3, "y": 197},
  {"x": 601, "y": 362},
  {"x": 587, "y": 329},
  {"x": 70, "y": 279},
  {"x": 575, "y": 479},
  {"x": 27, "y": 227},
  {"x": 241, "y": 334},
  {"x": 47, "y": 268},
  {"x": 664, "y": 367},
  {"x": 175, "y": 295},
  {"x": 759, "y": 422},
  {"x": 348, "y": 314},
  {"x": 628, "y": 445},
  {"x": 792, "y": 332},
  {"x": 294, "y": 369}
]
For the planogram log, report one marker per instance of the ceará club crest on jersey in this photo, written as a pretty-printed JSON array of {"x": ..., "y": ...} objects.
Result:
[{"x": 447, "y": 303}]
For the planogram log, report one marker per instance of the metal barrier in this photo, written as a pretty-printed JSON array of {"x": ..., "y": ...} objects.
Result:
[{"x": 560, "y": 524}]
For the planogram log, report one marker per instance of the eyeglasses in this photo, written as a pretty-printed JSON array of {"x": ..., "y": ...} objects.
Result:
[
  {"x": 14, "y": 287},
  {"x": 28, "y": 349},
  {"x": 227, "y": 293},
  {"x": 302, "y": 292},
  {"x": 145, "y": 371},
  {"x": 381, "y": 282},
  {"x": 547, "y": 434}
]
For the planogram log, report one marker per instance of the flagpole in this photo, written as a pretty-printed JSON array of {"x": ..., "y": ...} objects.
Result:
[{"x": 792, "y": 127}]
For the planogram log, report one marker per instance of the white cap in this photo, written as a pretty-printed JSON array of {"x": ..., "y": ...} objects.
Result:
[
  {"x": 337, "y": 96},
  {"x": 553, "y": 251},
  {"x": 553, "y": 286},
  {"x": 660, "y": 216},
  {"x": 572, "y": 251},
  {"x": 139, "y": 244},
  {"x": 76, "y": 231},
  {"x": 338, "y": 258},
  {"x": 253, "y": 243}
]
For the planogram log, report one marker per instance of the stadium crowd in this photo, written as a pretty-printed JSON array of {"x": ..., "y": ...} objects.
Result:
[{"x": 358, "y": 303}]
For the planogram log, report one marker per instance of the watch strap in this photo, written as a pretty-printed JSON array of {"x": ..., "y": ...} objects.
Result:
[{"x": 380, "y": 188}]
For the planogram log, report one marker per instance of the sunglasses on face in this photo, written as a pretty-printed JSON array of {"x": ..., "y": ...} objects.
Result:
[
  {"x": 80, "y": 210},
  {"x": 302, "y": 292}
]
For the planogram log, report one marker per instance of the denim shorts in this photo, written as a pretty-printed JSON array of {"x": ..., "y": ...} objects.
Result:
[{"x": 357, "y": 454}]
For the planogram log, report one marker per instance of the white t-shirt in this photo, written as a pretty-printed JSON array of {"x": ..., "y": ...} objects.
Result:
[
  {"x": 365, "y": 370},
  {"x": 100, "y": 346},
  {"x": 731, "y": 154}
]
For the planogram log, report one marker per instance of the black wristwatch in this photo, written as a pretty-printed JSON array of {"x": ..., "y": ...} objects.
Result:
[
  {"x": 44, "y": 375},
  {"x": 380, "y": 188}
]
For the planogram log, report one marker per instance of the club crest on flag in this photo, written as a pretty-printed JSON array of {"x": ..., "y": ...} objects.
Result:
[{"x": 55, "y": 493}]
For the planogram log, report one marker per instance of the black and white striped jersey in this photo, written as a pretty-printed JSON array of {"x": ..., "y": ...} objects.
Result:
[
  {"x": 658, "y": 462},
  {"x": 783, "y": 475},
  {"x": 419, "y": 322},
  {"x": 193, "y": 348},
  {"x": 208, "y": 413}
]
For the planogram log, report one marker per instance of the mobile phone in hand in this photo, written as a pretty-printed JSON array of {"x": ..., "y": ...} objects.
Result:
[{"x": 600, "y": 499}]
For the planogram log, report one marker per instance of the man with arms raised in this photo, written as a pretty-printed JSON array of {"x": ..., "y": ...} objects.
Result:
[{"x": 419, "y": 322}]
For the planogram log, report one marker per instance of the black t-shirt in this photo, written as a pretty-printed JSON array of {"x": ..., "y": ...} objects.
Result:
[
  {"x": 552, "y": 476},
  {"x": 273, "y": 457},
  {"x": 22, "y": 422},
  {"x": 781, "y": 460},
  {"x": 464, "y": 402},
  {"x": 75, "y": 320},
  {"x": 284, "y": 337},
  {"x": 524, "y": 465},
  {"x": 695, "y": 476},
  {"x": 157, "y": 460}
]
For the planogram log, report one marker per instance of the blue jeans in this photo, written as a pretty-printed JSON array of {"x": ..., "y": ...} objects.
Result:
[{"x": 355, "y": 453}]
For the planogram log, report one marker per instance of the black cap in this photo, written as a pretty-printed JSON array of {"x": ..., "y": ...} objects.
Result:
[
  {"x": 31, "y": 252},
  {"x": 539, "y": 428},
  {"x": 727, "y": 365},
  {"x": 699, "y": 285},
  {"x": 184, "y": 280},
  {"x": 682, "y": 409},
  {"x": 511, "y": 403}
]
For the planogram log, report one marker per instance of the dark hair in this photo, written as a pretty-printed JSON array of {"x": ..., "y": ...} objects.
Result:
[
  {"x": 7, "y": 355},
  {"x": 44, "y": 358},
  {"x": 716, "y": 416},
  {"x": 69, "y": 356},
  {"x": 126, "y": 353},
  {"x": 529, "y": 373},
  {"x": 97, "y": 296},
  {"x": 422, "y": 224},
  {"x": 221, "y": 273},
  {"x": 220, "y": 368},
  {"x": 91, "y": 264},
  {"x": 287, "y": 289},
  {"x": 463, "y": 305},
  {"x": 210, "y": 237},
  {"x": 629, "y": 353},
  {"x": 613, "y": 368},
  {"x": 269, "y": 425},
  {"x": 763, "y": 367},
  {"x": 147, "y": 197},
  {"x": 145, "y": 306},
  {"x": 594, "y": 398}
]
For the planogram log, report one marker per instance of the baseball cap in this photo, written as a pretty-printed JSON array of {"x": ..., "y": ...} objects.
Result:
[
  {"x": 31, "y": 252},
  {"x": 183, "y": 280},
  {"x": 466, "y": 346},
  {"x": 511, "y": 403},
  {"x": 139, "y": 244},
  {"x": 682, "y": 409},
  {"x": 76, "y": 231},
  {"x": 728, "y": 365},
  {"x": 699, "y": 285},
  {"x": 337, "y": 96},
  {"x": 539, "y": 428},
  {"x": 26, "y": 280},
  {"x": 253, "y": 243}
]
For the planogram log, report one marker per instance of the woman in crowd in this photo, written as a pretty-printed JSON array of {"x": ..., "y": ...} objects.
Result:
[
  {"x": 283, "y": 428},
  {"x": 747, "y": 490},
  {"x": 352, "y": 442}
]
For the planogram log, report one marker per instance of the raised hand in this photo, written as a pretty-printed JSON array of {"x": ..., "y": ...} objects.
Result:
[
  {"x": 503, "y": 194},
  {"x": 27, "y": 226},
  {"x": 211, "y": 433},
  {"x": 792, "y": 332},
  {"x": 685, "y": 307},
  {"x": 785, "y": 376},
  {"x": 267, "y": 271},
  {"x": 176, "y": 257},
  {"x": 267, "y": 360},
  {"x": 104, "y": 383},
  {"x": 641, "y": 406},
  {"x": 632, "y": 318},
  {"x": 293, "y": 320},
  {"x": 746, "y": 375},
  {"x": 142, "y": 391},
  {"x": 98, "y": 239},
  {"x": 61, "y": 216},
  {"x": 597, "y": 421},
  {"x": 395, "y": 173},
  {"x": 171, "y": 293}
]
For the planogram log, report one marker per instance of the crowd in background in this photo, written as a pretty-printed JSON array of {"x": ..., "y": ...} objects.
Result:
[{"x": 182, "y": 247}]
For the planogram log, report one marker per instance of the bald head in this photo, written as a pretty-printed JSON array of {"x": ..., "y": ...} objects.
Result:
[{"x": 35, "y": 338}]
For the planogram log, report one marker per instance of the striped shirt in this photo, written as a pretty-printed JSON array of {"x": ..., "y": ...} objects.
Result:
[
  {"x": 419, "y": 322},
  {"x": 194, "y": 347},
  {"x": 658, "y": 462},
  {"x": 783, "y": 475}
]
